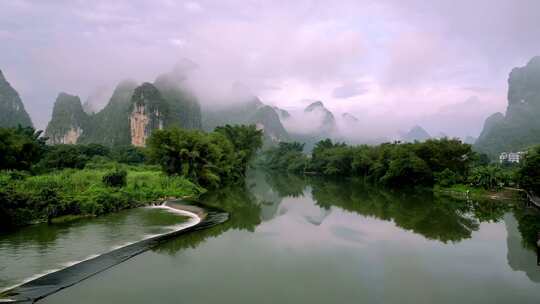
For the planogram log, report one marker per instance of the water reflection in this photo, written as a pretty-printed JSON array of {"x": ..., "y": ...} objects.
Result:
[
  {"x": 433, "y": 217},
  {"x": 244, "y": 214},
  {"x": 311, "y": 240},
  {"x": 521, "y": 257}
]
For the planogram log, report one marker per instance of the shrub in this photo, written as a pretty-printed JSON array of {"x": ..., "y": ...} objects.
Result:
[
  {"x": 529, "y": 173},
  {"x": 447, "y": 178},
  {"x": 116, "y": 178},
  {"x": 20, "y": 148}
]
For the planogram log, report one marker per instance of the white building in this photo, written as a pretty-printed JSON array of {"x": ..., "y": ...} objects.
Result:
[{"x": 511, "y": 157}]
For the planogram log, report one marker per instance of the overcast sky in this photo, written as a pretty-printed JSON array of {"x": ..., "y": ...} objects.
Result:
[{"x": 392, "y": 63}]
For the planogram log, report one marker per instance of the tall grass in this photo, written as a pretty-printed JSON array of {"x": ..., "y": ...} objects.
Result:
[{"x": 70, "y": 191}]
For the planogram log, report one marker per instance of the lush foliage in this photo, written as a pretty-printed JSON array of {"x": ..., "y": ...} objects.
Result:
[
  {"x": 246, "y": 140},
  {"x": 490, "y": 177},
  {"x": 394, "y": 164},
  {"x": 116, "y": 178},
  {"x": 20, "y": 148},
  {"x": 205, "y": 158},
  {"x": 286, "y": 157},
  {"x": 529, "y": 174},
  {"x": 24, "y": 199}
]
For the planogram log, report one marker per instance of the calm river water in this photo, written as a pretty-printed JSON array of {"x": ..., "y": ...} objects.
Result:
[{"x": 291, "y": 240}]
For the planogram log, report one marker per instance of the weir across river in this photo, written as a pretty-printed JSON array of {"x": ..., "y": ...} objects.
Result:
[{"x": 48, "y": 284}]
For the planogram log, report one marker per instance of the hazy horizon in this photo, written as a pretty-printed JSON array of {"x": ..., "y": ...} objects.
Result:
[{"x": 390, "y": 64}]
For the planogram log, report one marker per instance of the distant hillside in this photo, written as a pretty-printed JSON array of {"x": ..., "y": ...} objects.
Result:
[
  {"x": 12, "y": 112},
  {"x": 417, "y": 133},
  {"x": 185, "y": 110},
  {"x": 349, "y": 118},
  {"x": 250, "y": 111},
  {"x": 327, "y": 124},
  {"x": 115, "y": 116},
  {"x": 519, "y": 128},
  {"x": 129, "y": 117},
  {"x": 68, "y": 120}
]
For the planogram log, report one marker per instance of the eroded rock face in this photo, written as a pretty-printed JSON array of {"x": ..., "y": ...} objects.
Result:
[
  {"x": 147, "y": 113},
  {"x": 141, "y": 124},
  {"x": 68, "y": 120},
  {"x": 69, "y": 138}
]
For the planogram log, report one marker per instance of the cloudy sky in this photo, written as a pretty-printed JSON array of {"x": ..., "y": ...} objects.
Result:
[{"x": 392, "y": 63}]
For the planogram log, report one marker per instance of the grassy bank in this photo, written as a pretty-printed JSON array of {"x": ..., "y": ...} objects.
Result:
[
  {"x": 461, "y": 191},
  {"x": 70, "y": 192}
]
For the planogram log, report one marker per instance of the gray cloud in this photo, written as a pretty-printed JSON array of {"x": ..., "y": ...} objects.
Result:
[
  {"x": 350, "y": 89},
  {"x": 416, "y": 54}
]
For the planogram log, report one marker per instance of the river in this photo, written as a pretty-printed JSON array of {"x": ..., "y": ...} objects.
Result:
[{"x": 292, "y": 240}]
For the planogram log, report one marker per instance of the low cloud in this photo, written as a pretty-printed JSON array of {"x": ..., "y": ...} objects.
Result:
[
  {"x": 350, "y": 89},
  {"x": 410, "y": 61}
]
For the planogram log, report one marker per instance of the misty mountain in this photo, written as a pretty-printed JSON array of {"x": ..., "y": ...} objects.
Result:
[
  {"x": 12, "y": 112},
  {"x": 283, "y": 114},
  {"x": 115, "y": 116},
  {"x": 469, "y": 140},
  {"x": 327, "y": 123},
  {"x": 249, "y": 111},
  {"x": 97, "y": 99},
  {"x": 129, "y": 117},
  {"x": 185, "y": 110},
  {"x": 441, "y": 135},
  {"x": 417, "y": 133},
  {"x": 519, "y": 128},
  {"x": 349, "y": 118}
]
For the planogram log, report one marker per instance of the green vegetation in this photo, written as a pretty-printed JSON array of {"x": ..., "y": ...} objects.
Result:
[
  {"x": 286, "y": 157},
  {"x": 20, "y": 148},
  {"x": 83, "y": 192},
  {"x": 42, "y": 182},
  {"x": 447, "y": 163},
  {"x": 491, "y": 177},
  {"x": 529, "y": 173},
  {"x": 394, "y": 164},
  {"x": 116, "y": 178},
  {"x": 208, "y": 159}
]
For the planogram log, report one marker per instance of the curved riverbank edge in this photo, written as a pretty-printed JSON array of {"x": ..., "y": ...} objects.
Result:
[{"x": 202, "y": 217}]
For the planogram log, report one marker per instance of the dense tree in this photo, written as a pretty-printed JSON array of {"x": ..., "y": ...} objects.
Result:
[
  {"x": 406, "y": 168},
  {"x": 286, "y": 157},
  {"x": 489, "y": 177},
  {"x": 20, "y": 147},
  {"x": 529, "y": 174},
  {"x": 128, "y": 155},
  {"x": 71, "y": 156},
  {"x": 208, "y": 159},
  {"x": 393, "y": 164},
  {"x": 246, "y": 140}
]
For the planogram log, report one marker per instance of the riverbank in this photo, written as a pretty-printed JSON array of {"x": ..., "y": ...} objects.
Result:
[
  {"x": 464, "y": 192},
  {"x": 70, "y": 194}
]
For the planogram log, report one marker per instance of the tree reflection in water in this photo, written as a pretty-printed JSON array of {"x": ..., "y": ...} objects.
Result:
[{"x": 422, "y": 212}]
